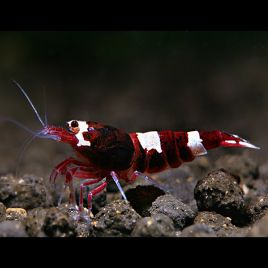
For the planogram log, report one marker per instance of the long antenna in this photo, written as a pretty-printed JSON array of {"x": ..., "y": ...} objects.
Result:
[
  {"x": 24, "y": 93},
  {"x": 45, "y": 105}
]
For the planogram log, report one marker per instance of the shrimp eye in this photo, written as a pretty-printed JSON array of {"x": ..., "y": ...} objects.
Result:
[{"x": 74, "y": 123}]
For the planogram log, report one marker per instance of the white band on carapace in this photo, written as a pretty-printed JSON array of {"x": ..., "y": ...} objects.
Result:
[
  {"x": 195, "y": 143},
  {"x": 150, "y": 140},
  {"x": 83, "y": 126}
]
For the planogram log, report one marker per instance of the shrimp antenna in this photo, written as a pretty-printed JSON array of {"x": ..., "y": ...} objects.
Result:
[
  {"x": 45, "y": 105},
  {"x": 25, "y": 94}
]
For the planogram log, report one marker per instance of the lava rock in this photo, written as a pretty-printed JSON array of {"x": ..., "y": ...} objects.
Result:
[
  {"x": 253, "y": 188},
  {"x": 12, "y": 229},
  {"x": 115, "y": 219},
  {"x": 179, "y": 182},
  {"x": 16, "y": 214},
  {"x": 219, "y": 191},
  {"x": 181, "y": 214},
  {"x": 240, "y": 165},
  {"x": 156, "y": 226},
  {"x": 198, "y": 230},
  {"x": 35, "y": 221},
  {"x": 221, "y": 225},
  {"x": 7, "y": 187},
  {"x": 58, "y": 224},
  {"x": 2, "y": 212},
  {"x": 84, "y": 229},
  {"x": 256, "y": 209},
  {"x": 260, "y": 228},
  {"x": 142, "y": 197},
  {"x": 28, "y": 192}
]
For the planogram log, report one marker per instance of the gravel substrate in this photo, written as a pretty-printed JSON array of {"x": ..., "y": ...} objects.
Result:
[{"x": 222, "y": 199}]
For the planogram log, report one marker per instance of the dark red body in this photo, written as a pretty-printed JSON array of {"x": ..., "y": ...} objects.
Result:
[
  {"x": 107, "y": 152},
  {"x": 115, "y": 150}
]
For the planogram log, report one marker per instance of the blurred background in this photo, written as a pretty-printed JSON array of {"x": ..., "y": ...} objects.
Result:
[{"x": 134, "y": 80}]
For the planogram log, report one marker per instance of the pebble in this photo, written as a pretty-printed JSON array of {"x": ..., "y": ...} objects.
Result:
[
  {"x": 221, "y": 225},
  {"x": 219, "y": 191},
  {"x": 27, "y": 192},
  {"x": 257, "y": 208},
  {"x": 158, "y": 225},
  {"x": 16, "y": 214},
  {"x": 181, "y": 214},
  {"x": 115, "y": 219}
]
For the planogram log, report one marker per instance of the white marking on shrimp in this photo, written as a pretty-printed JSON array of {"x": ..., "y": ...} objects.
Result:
[
  {"x": 83, "y": 127},
  {"x": 195, "y": 143},
  {"x": 232, "y": 142},
  {"x": 150, "y": 140}
]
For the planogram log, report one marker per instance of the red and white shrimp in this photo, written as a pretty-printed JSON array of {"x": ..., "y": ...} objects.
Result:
[{"x": 105, "y": 153}]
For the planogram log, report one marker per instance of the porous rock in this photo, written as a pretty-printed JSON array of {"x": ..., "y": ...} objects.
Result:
[
  {"x": 16, "y": 214},
  {"x": 257, "y": 208},
  {"x": 181, "y": 214},
  {"x": 27, "y": 192},
  {"x": 179, "y": 182},
  {"x": 157, "y": 225},
  {"x": 115, "y": 219},
  {"x": 58, "y": 224},
  {"x": 221, "y": 225},
  {"x": 35, "y": 221},
  {"x": 219, "y": 191}
]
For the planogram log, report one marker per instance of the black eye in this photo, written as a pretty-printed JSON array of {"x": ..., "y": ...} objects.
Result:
[
  {"x": 74, "y": 123},
  {"x": 90, "y": 129}
]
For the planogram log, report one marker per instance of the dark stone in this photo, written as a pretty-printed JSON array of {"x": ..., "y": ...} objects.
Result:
[
  {"x": 181, "y": 214},
  {"x": 179, "y": 182},
  {"x": 2, "y": 212},
  {"x": 27, "y": 192},
  {"x": 221, "y": 225},
  {"x": 255, "y": 188},
  {"x": 35, "y": 221},
  {"x": 198, "y": 230},
  {"x": 84, "y": 229},
  {"x": 12, "y": 229},
  {"x": 142, "y": 197},
  {"x": 219, "y": 191},
  {"x": 157, "y": 225},
  {"x": 58, "y": 224},
  {"x": 115, "y": 219},
  {"x": 257, "y": 208}
]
